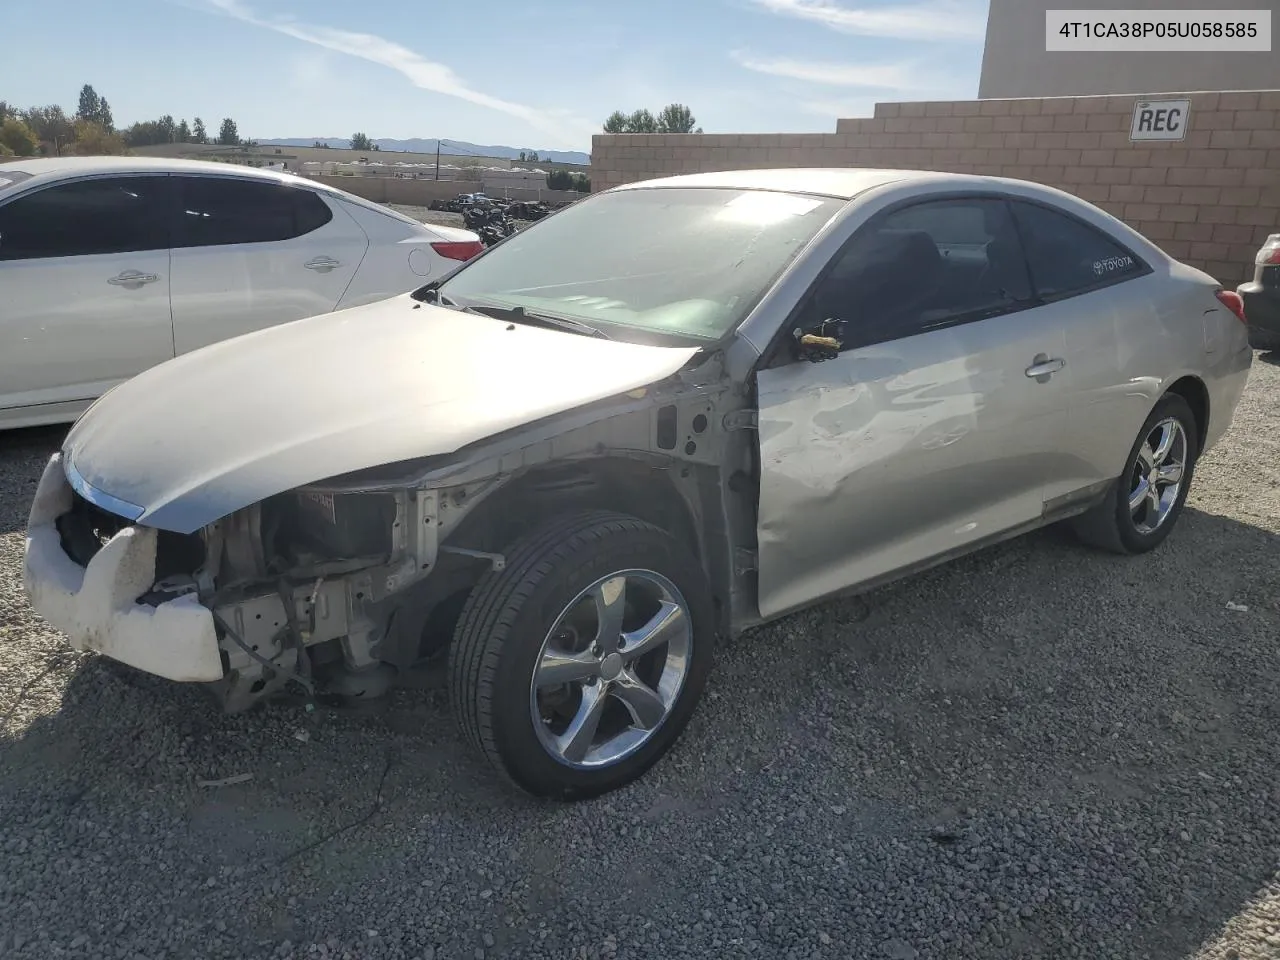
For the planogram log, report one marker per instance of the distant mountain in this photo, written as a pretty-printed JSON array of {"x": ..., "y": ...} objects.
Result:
[{"x": 453, "y": 148}]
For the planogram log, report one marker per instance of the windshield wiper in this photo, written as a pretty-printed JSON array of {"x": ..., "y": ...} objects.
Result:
[{"x": 521, "y": 315}]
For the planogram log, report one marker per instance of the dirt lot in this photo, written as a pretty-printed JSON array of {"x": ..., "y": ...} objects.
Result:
[{"x": 1035, "y": 752}]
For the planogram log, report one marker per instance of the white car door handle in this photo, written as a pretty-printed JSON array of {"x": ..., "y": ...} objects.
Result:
[
  {"x": 133, "y": 279},
  {"x": 1044, "y": 367},
  {"x": 322, "y": 264}
]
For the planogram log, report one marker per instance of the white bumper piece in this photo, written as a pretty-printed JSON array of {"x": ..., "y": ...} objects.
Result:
[{"x": 95, "y": 606}]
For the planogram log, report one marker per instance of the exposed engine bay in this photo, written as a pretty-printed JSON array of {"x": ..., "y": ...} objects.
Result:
[{"x": 340, "y": 586}]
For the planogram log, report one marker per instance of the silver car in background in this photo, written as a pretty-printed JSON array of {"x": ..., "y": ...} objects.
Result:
[{"x": 670, "y": 412}]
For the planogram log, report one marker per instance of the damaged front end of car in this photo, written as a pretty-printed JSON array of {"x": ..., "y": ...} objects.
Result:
[{"x": 342, "y": 585}]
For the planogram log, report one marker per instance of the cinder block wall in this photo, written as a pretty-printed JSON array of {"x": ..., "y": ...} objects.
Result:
[{"x": 1209, "y": 200}]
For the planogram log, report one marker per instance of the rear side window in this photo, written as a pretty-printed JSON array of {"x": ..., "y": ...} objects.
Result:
[
  {"x": 1069, "y": 257},
  {"x": 87, "y": 218},
  {"x": 216, "y": 211}
]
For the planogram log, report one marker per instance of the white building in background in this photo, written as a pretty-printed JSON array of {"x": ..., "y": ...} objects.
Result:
[{"x": 1016, "y": 64}]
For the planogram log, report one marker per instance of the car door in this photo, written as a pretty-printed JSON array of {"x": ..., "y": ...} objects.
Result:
[
  {"x": 84, "y": 290},
  {"x": 1096, "y": 290},
  {"x": 934, "y": 426},
  {"x": 250, "y": 254}
]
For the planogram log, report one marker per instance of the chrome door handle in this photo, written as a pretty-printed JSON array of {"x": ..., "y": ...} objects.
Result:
[
  {"x": 1042, "y": 368},
  {"x": 132, "y": 279},
  {"x": 322, "y": 264}
]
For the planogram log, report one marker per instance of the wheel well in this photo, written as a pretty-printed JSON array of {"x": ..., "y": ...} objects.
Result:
[
  {"x": 1192, "y": 390},
  {"x": 608, "y": 483},
  {"x": 611, "y": 483}
]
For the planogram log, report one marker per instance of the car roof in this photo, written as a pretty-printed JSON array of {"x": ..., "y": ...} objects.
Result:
[
  {"x": 842, "y": 182},
  {"x": 56, "y": 168}
]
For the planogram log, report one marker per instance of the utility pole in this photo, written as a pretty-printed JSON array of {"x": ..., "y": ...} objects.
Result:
[{"x": 437, "y": 158}]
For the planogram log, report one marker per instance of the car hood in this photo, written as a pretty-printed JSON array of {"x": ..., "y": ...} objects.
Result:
[{"x": 198, "y": 437}]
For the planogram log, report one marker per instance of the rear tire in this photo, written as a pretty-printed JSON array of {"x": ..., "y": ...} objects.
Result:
[
  {"x": 1146, "y": 502},
  {"x": 576, "y": 667}
]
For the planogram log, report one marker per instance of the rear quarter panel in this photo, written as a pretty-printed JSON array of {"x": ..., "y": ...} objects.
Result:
[
  {"x": 387, "y": 270},
  {"x": 1155, "y": 331}
]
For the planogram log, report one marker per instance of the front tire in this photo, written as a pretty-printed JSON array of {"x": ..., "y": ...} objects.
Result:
[
  {"x": 576, "y": 667},
  {"x": 1148, "y": 499}
]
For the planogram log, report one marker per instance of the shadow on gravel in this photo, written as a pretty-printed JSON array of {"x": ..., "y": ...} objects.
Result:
[
  {"x": 24, "y": 453},
  {"x": 1034, "y": 751}
]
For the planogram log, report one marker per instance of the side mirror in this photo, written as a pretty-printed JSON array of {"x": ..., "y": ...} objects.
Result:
[{"x": 819, "y": 343}]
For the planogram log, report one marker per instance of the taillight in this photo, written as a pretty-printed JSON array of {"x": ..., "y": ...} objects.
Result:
[
  {"x": 458, "y": 249},
  {"x": 1270, "y": 252},
  {"x": 1233, "y": 302}
]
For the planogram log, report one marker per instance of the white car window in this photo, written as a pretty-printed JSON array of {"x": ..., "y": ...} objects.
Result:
[
  {"x": 221, "y": 210},
  {"x": 87, "y": 217}
]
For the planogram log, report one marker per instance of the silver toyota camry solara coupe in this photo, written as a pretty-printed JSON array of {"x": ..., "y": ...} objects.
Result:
[{"x": 670, "y": 412}]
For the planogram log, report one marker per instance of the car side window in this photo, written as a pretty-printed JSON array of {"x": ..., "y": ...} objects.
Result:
[
  {"x": 216, "y": 211},
  {"x": 86, "y": 218},
  {"x": 1067, "y": 256},
  {"x": 918, "y": 268}
]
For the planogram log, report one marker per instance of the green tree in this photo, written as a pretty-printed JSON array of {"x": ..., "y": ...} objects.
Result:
[
  {"x": 103, "y": 117},
  {"x": 144, "y": 134},
  {"x": 167, "y": 128},
  {"x": 198, "y": 132},
  {"x": 360, "y": 141},
  {"x": 228, "y": 135},
  {"x": 95, "y": 140},
  {"x": 183, "y": 133},
  {"x": 17, "y": 138},
  {"x": 49, "y": 124},
  {"x": 6, "y": 110},
  {"x": 527, "y": 156},
  {"x": 642, "y": 121},
  {"x": 564, "y": 180},
  {"x": 90, "y": 103},
  {"x": 676, "y": 118}
]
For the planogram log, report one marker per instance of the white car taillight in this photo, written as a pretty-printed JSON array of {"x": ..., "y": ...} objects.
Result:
[{"x": 458, "y": 249}]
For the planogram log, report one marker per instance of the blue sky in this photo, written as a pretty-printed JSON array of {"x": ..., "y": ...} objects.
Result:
[{"x": 513, "y": 72}]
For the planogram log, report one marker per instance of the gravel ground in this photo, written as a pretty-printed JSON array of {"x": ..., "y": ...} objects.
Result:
[{"x": 1037, "y": 751}]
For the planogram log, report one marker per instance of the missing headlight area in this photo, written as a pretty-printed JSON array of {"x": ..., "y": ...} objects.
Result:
[{"x": 315, "y": 526}]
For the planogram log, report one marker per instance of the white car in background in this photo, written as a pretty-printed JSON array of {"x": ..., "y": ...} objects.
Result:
[{"x": 111, "y": 265}]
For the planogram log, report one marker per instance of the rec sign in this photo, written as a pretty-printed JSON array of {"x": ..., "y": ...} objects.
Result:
[{"x": 1160, "y": 120}]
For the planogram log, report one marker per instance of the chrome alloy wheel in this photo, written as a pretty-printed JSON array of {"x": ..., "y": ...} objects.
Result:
[
  {"x": 1155, "y": 479},
  {"x": 611, "y": 669}
]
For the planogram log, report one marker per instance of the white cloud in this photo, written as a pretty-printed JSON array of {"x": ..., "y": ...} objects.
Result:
[
  {"x": 902, "y": 76},
  {"x": 422, "y": 73},
  {"x": 924, "y": 20},
  {"x": 840, "y": 109}
]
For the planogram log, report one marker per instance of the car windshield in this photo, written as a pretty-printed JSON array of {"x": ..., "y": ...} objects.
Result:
[
  {"x": 665, "y": 265},
  {"x": 10, "y": 178}
]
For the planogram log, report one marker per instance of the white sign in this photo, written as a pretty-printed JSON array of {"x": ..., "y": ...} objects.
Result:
[
  {"x": 1173, "y": 31},
  {"x": 1160, "y": 120}
]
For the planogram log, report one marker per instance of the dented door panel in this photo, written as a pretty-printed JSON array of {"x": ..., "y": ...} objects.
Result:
[{"x": 894, "y": 453}]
